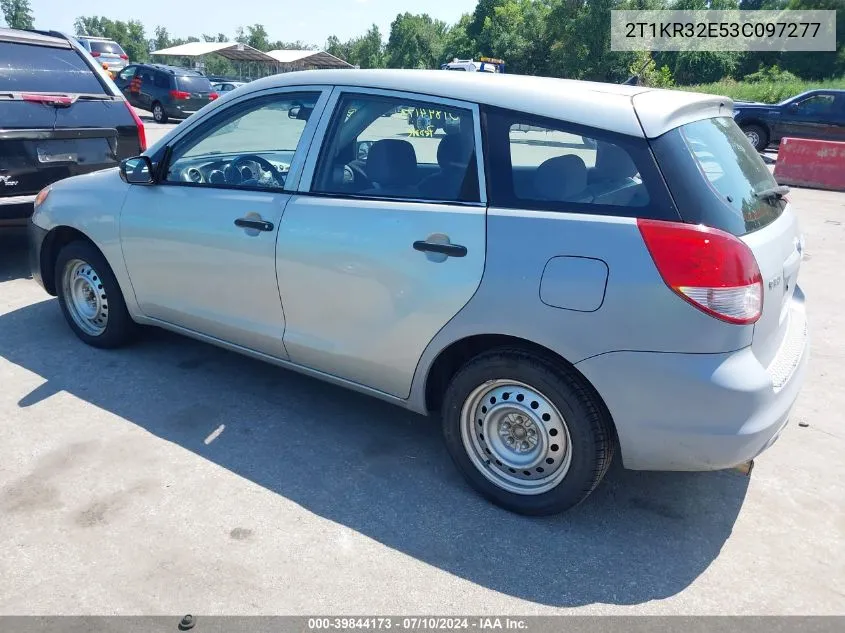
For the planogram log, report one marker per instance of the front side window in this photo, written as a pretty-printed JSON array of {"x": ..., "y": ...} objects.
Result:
[
  {"x": 818, "y": 104},
  {"x": 399, "y": 148},
  {"x": 247, "y": 146},
  {"x": 552, "y": 165}
]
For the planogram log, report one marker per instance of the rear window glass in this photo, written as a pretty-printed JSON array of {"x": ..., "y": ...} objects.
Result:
[
  {"x": 716, "y": 176},
  {"x": 27, "y": 68},
  {"x": 106, "y": 47},
  {"x": 194, "y": 83}
]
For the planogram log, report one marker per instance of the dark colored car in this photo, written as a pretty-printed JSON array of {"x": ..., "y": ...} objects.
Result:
[
  {"x": 818, "y": 114},
  {"x": 166, "y": 91},
  {"x": 60, "y": 116}
]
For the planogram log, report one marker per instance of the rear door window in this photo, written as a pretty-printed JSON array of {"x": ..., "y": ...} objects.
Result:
[
  {"x": 161, "y": 81},
  {"x": 717, "y": 177},
  {"x": 193, "y": 83},
  {"x": 28, "y": 68},
  {"x": 550, "y": 165}
]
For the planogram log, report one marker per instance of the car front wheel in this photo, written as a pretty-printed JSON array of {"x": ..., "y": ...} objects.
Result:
[
  {"x": 90, "y": 297},
  {"x": 527, "y": 434}
]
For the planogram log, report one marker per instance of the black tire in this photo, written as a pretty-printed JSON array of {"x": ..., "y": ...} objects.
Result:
[
  {"x": 159, "y": 114},
  {"x": 589, "y": 427},
  {"x": 120, "y": 328},
  {"x": 756, "y": 132}
]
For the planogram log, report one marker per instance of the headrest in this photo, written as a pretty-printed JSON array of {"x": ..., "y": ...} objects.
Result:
[
  {"x": 392, "y": 162},
  {"x": 561, "y": 178},
  {"x": 451, "y": 152},
  {"x": 613, "y": 162}
]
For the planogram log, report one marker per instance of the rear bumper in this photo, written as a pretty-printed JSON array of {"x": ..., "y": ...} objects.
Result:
[
  {"x": 16, "y": 210},
  {"x": 700, "y": 411}
]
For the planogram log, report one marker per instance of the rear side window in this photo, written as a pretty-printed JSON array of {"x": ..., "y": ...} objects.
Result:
[
  {"x": 551, "y": 165},
  {"x": 716, "y": 176},
  {"x": 112, "y": 48},
  {"x": 28, "y": 68},
  {"x": 160, "y": 80},
  {"x": 193, "y": 83}
]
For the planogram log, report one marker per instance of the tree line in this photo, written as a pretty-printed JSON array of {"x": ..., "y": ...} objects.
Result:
[{"x": 556, "y": 38}]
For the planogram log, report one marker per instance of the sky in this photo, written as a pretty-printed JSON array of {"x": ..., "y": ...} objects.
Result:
[{"x": 311, "y": 21}]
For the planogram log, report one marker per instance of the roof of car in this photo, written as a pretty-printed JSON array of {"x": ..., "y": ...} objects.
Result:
[
  {"x": 632, "y": 110},
  {"x": 173, "y": 70},
  {"x": 33, "y": 37},
  {"x": 94, "y": 37}
]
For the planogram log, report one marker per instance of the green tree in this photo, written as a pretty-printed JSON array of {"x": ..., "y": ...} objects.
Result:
[
  {"x": 17, "y": 13},
  {"x": 458, "y": 42},
  {"x": 256, "y": 36},
  {"x": 516, "y": 32},
  {"x": 416, "y": 41}
]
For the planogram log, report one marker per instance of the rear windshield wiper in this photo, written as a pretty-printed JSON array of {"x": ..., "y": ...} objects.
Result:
[
  {"x": 94, "y": 97},
  {"x": 772, "y": 192}
]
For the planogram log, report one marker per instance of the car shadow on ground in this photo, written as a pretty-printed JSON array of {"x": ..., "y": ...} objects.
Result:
[
  {"x": 384, "y": 472},
  {"x": 13, "y": 254}
]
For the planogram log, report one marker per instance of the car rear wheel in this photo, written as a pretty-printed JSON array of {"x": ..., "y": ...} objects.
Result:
[
  {"x": 159, "y": 115},
  {"x": 527, "y": 434},
  {"x": 757, "y": 136},
  {"x": 90, "y": 297}
]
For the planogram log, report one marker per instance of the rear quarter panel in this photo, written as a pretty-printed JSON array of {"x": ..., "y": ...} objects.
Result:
[{"x": 638, "y": 311}]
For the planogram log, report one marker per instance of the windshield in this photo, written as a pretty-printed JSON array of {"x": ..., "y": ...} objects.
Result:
[
  {"x": 716, "y": 176},
  {"x": 193, "y": 83}
]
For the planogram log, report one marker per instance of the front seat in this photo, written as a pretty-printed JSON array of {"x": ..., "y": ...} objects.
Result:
[
  {"x": 392, "y": 167},
  {"x": 562, "y": 179},
  {"x": 452, "y": 156}
]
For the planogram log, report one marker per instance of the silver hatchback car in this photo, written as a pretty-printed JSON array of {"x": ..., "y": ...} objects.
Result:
[{"x": 561, "y": 270}]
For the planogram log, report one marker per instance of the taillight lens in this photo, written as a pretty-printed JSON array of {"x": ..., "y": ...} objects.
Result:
[
  {"x": 95, "y": 54},
  {"x": 180, "y": 94},
  {"x": 713, "y": 270},
  {"x": 212, "y": 96},
  {"x": 124, "y": 56},
  {"x": 142, "y": 134}
]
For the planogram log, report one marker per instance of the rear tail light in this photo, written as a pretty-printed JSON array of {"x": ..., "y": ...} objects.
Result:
[
  {"x": 212, "y": 96},
  {"x": 180, "y": 94},
  {"x": 95, "y": 54},
  {"x": 142, "y": 134},
  {"x": 124, "y": 56},
  {"x": 713, "y": 270}
]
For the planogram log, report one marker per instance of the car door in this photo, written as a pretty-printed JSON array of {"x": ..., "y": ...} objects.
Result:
[
  {"x": 812, "y": 117},
  {"x": 372, "y": 261},
  {"x": 199, "y": 244}
]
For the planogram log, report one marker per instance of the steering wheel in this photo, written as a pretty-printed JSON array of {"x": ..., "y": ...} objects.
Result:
[{"x": 265, "y": 164}]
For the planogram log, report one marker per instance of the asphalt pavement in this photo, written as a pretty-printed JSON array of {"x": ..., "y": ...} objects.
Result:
[{"x": 173, "y": 477}]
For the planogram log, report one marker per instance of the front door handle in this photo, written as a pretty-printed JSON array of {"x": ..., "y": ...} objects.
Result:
[
  {"x": 450, "y": 250},
  {"x": 249, "y": 223}
]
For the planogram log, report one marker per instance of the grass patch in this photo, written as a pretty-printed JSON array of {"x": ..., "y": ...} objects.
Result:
[{"x": 763, "y": 91}]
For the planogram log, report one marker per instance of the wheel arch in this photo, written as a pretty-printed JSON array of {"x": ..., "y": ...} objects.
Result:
[
  {"x": 54, "y": 241},
  {"x": 759, "y": 123},
  {"x": 452, "y": 357}
]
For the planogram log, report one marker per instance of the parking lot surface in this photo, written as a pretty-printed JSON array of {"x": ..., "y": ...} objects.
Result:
[{"x": 174, "y": 477}]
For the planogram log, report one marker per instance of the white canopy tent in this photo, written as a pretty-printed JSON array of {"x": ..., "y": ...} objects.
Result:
[{"x": 277, "y": 61}]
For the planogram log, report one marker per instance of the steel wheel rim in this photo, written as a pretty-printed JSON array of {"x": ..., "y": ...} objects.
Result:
[
  {"x": 516, "y": 437},
  {"x": 85, "y": 297},
  {"x": 753, "y": 137},
  {"x": 157, "y": 113}
]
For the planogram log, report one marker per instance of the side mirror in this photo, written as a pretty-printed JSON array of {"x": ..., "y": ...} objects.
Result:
[
  {"x": 792, "y": 107},
  {"x": 137, "y": 170},
  {"x": 293, "y": 113},
  {"x": 362, "y": 149}
]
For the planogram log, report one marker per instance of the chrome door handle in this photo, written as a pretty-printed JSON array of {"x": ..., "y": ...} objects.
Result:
[
  {"x": 249, "y": 223},
  {"x": 450, "y": 250}
]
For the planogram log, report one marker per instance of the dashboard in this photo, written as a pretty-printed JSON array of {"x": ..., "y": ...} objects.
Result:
[{"x": 254, "y": 170}]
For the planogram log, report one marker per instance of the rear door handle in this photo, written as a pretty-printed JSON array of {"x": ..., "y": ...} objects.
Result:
[
  {"x": 248, "y": 223},
  {"x": 450, "y": 250}
]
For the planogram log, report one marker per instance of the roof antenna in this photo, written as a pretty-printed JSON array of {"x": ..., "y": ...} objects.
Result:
[{"x": 634, "y": 80}]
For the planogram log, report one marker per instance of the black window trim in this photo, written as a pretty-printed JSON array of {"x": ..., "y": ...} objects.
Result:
[
  {"x": 661, "y": 205},
  {"x": 162, "y": 159},
  {"x": 331, "y": 111}
]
